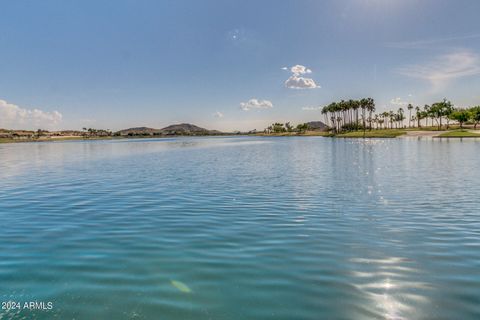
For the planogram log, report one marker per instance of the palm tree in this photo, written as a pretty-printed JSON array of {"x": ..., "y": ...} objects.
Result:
[
  {"x": 370, "y": 106},
  {"x": 384, "y": 115},
  {"x": 400, "y": 117},
  {"x": 426, "y": 109},
  {"x": 418, "y": 115},
  {"x": 363, "y": 106},
  {"x": 410, "y": 107}
]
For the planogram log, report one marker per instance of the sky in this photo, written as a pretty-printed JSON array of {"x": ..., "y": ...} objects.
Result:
[{"x": 228, "y": 65}]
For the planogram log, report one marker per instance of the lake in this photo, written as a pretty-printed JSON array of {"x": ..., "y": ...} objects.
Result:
[{"x": 241, "y": 228}]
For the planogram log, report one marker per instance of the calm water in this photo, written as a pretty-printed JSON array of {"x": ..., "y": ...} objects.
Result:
[{"x": 242, "y": 228}]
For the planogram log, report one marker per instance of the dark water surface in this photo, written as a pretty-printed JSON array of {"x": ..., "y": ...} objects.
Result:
[{"x": 242, "y": 228}]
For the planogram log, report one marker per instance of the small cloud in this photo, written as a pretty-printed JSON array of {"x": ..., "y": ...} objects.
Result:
[
  {"x": 311, "y": 108},
  {"x": 299, "y": 69},
  {"x": 256, "y": 104},
  {"x": 398, "y": 102},
  {"x": 218, "y": 114},
  {"x": 444, "y": 68},
  {"x": 297, "y": 81},
  {"x": 237, "y": 36},
  {"x": 15, "y": 117}
]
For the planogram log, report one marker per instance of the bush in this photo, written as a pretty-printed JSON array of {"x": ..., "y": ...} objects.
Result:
[{"x": 352, "y": 127}]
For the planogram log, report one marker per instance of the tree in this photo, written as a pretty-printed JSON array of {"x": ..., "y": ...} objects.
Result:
[
  {"x": 343, "y": 115},
  {"x": 418, "y": 115},
  {"x": 278, "y": 127},
  {"x": 376, "y": 120},
  {"x": 409, "y": 107},
  {"x": 447, "y": 111},
  {"x": 426, "y": 112},
  {"x": 460, "y": 115},
  {"x": 439, "y": 110},
  {"x": 475, "y": 116},
  {"x": 400, "y": 117},
  {"x": 302, "y": 127},
  {"x": 370, "y": 106}
]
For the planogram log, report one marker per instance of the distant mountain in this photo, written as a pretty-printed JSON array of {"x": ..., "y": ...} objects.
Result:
[
  {"x": 182, "y": 129},
  {"x": 139, "y": 131},
  {"x": 317, "y": 125}
]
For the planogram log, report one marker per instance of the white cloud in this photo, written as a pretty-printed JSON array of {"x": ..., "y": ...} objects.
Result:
[
  {"x": 296, "y": 81},
  {"x": 15, "y": 117},
  {"x": 445, "y": 68},
  {"x": 398, "y": 102},
  {"x": 299, "y": 69},
  {"x": 218, "y": 114},
  {"x": 311, "y": 108},
  {"x": 256, "y": 104}
]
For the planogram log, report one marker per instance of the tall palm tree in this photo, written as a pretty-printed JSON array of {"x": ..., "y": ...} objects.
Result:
[
  {"x": 426, "y": 109},
  {"x": 418, "y": 115},
  {"x": 409, "y": 107},
  {"x": 370, "y": 108},
  {"x": 400, "y": 117}
]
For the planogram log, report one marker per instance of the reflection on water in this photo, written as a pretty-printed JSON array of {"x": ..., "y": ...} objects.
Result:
[
  {"x": 392, "y": 287},
  {"x": 242, "y": 228}
]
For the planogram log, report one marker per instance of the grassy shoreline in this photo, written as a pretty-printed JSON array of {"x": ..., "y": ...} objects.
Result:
[
  {"x": 382, "y": 133},
  {"x": 462, "y": 133},
  {"x": 376, "y": 133}
]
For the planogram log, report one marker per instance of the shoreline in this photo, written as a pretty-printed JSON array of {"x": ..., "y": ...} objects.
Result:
[{"x": 383, "y": 133}]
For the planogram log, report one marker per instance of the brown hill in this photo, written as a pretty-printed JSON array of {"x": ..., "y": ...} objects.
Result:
[
  {"x": 316, "y": 125},
  {"x": 139, "y": 131},
  {"x": 182, "y": 129}
]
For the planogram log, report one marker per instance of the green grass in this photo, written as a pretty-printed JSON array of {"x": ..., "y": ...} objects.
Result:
[
  {"x": 459, "y": 134},
  {"x": 383, "y": 133},
  {"x": 296, "y": 134}
]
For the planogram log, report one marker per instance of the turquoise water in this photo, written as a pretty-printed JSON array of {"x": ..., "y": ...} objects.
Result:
[{"x": 241, "y": 228}]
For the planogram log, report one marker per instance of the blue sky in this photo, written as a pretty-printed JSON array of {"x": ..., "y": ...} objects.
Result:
[{"x": 228, "y": 65}]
